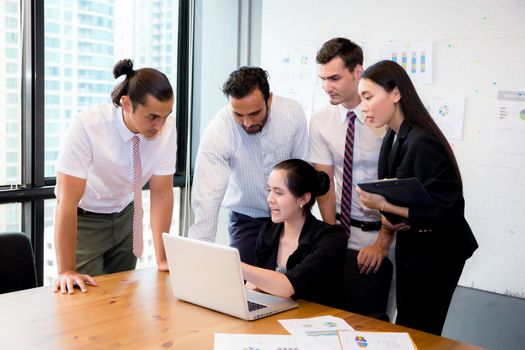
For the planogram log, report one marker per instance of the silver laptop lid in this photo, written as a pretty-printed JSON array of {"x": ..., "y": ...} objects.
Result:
[{"x": 206, "y": 274}]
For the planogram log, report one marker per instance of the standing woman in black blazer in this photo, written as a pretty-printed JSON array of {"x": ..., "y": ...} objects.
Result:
[{"x": 433, "y": 242}]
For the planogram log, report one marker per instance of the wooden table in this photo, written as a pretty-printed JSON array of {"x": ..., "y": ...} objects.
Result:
[{"x": 136, "y": 310}]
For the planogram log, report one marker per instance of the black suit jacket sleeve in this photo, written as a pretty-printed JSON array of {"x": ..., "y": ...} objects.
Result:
[
  {"x": 418, "y": 154},
  {"x": 432, "y": 166}
]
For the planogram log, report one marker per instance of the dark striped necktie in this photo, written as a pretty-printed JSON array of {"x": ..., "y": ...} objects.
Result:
[{"x": 346, "y": 196}]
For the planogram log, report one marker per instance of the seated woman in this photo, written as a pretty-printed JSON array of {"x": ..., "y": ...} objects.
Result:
[{"x": 297, "y": 255}]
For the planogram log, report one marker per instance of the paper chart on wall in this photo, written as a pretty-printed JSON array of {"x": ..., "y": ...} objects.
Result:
[
  {"x": 292, "y": 65},
  {"x": 448, "y": 111},
  {"x": 415, "y": 58},
  {"x": 293, "y": 73},
  {"x": 508, "y": 135}
]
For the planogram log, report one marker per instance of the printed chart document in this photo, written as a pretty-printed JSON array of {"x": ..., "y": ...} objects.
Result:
[
  {"x": 315, "y": 326},
  {"x": 225, "y": 341},
  {"x": 352, "y": 340},
  {"x": 318, "y": 332}
]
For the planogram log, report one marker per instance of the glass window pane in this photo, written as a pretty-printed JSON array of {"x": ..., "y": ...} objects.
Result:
[
  {"x": 95, "y": 36},
  {"x": 10, "y": 217},
  {"x": 148, "y": 257},
  {"x": 10, "y": 120}
]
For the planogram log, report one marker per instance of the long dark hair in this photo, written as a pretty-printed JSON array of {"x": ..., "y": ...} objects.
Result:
[
  {"x": 390, "y": 75},
  {"x": 302, "y": 178},
  {"x": 139, "y": 84}
]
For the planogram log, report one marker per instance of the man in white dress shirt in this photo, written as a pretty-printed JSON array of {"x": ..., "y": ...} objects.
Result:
[
  {"x": 368, "y": 270},
  {"x": 109, "y": 153},
  {"x": 238, "y": 149}
]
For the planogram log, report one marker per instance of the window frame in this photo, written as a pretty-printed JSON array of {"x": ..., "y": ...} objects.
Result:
[{"x": 35, "y": 187}]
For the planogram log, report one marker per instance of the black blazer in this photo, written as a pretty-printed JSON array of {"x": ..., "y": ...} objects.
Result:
[
  {"x": 416, "y": 153},
  {"x": 315, "y": 269}
]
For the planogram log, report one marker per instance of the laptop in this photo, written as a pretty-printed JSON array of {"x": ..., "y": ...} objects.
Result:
[{"x": 209, "y": 275}]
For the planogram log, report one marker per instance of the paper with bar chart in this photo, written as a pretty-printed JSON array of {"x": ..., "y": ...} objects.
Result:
[{"x": 415, "y": 58}]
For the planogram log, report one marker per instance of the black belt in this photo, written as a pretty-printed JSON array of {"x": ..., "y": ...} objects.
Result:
[
  {"x": 81, "y": 211},
  {"x": 363, "y": 225}
]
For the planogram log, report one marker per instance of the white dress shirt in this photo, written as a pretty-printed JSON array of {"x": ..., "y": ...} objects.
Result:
[
  {"x": 232, "y": 166},
  {"x": 327, "y": 147},
  {"x": 98, "y": 148}
]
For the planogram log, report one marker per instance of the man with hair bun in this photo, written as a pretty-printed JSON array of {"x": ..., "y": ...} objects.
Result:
[{"x": 110, "y": 152}]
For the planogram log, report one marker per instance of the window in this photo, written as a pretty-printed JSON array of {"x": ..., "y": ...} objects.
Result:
[
  {"x": 11, "y": 217},
  {"x": 148, "y": 256},
  {"x": 98, "y": 30},
  {"x": 52, "y": 85},
  {"x": 10, "y": 118}
]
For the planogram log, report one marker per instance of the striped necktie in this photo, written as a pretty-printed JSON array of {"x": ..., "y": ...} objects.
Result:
[
  {"x": 138, "y": 243},
  {"x": 346, "y": 196}
]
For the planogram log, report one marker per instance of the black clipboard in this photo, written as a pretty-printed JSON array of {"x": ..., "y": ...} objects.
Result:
[{"x": 402, "y": 192}]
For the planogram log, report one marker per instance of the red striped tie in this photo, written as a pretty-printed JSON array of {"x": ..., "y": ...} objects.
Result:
[
  {"x": 346, "y": 196},
  {"x": 138, "y": 243}
]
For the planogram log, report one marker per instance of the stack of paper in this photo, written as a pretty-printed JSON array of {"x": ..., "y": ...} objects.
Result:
[{"x": 317, "y": 333}]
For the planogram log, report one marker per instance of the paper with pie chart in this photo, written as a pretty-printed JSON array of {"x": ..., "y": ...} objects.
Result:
[
  {"x": 322, "y": 326},
  {"x": 448, "y": 111},
  {"x": 224, "y": 341},
  {"x": 508, "y": 135},
  {"x": 352, "y": 340}
]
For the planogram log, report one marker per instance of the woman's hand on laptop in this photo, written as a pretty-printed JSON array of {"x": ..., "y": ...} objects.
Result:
[
  {"x": 163, "y": 266},
  {"x": 252, "y": 286}
]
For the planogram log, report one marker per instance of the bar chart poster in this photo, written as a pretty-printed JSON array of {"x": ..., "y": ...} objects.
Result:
[
  {"x": 508, "y": 133},
  {"x": 415, "y": 58}
]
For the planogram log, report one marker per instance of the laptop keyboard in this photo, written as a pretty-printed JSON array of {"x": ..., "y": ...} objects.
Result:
[{"x": 254, "y": 306}]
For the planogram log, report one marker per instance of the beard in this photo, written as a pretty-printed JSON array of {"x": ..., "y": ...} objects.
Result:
[{"x": 255, "y": 128}]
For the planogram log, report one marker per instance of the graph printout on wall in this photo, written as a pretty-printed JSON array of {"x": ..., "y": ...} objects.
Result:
[
  {"x": 508, "y": 133},
  {"x": 415, "y": 58},
  {"x": 293, "y": 73},
  {"x": 448, "y": 112}
]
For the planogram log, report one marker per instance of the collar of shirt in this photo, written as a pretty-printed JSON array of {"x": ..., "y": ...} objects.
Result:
[
  {"x": 308, "y": 235},
  {"x": 123, "y": 130},
  {"x": 357, "y": 110}
]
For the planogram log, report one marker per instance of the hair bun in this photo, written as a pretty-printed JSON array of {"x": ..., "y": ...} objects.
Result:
[
  {"x": 122, "y": 67},
  {"x": 324, "y": 183}
]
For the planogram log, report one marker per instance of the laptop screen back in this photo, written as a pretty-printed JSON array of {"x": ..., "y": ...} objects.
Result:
[{"x": 206, "y": 274}]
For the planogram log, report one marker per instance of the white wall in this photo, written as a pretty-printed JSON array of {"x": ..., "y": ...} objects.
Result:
[{"x": 479, "y": 48}]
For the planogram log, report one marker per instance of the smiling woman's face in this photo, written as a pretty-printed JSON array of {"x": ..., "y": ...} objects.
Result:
[{"x": 283, "y": 204}]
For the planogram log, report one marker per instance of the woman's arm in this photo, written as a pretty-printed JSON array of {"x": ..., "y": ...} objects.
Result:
[
  {"x": 377, "y": 201},
  {"x": 432, "y": 166},
  {"x": 269, "y": 281}
]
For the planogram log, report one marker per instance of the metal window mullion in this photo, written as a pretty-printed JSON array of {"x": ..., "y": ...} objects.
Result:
[{"x": 184, "y": 102}]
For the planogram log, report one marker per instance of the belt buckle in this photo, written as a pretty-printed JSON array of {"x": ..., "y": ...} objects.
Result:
[{"x": 365, "y": 226}]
